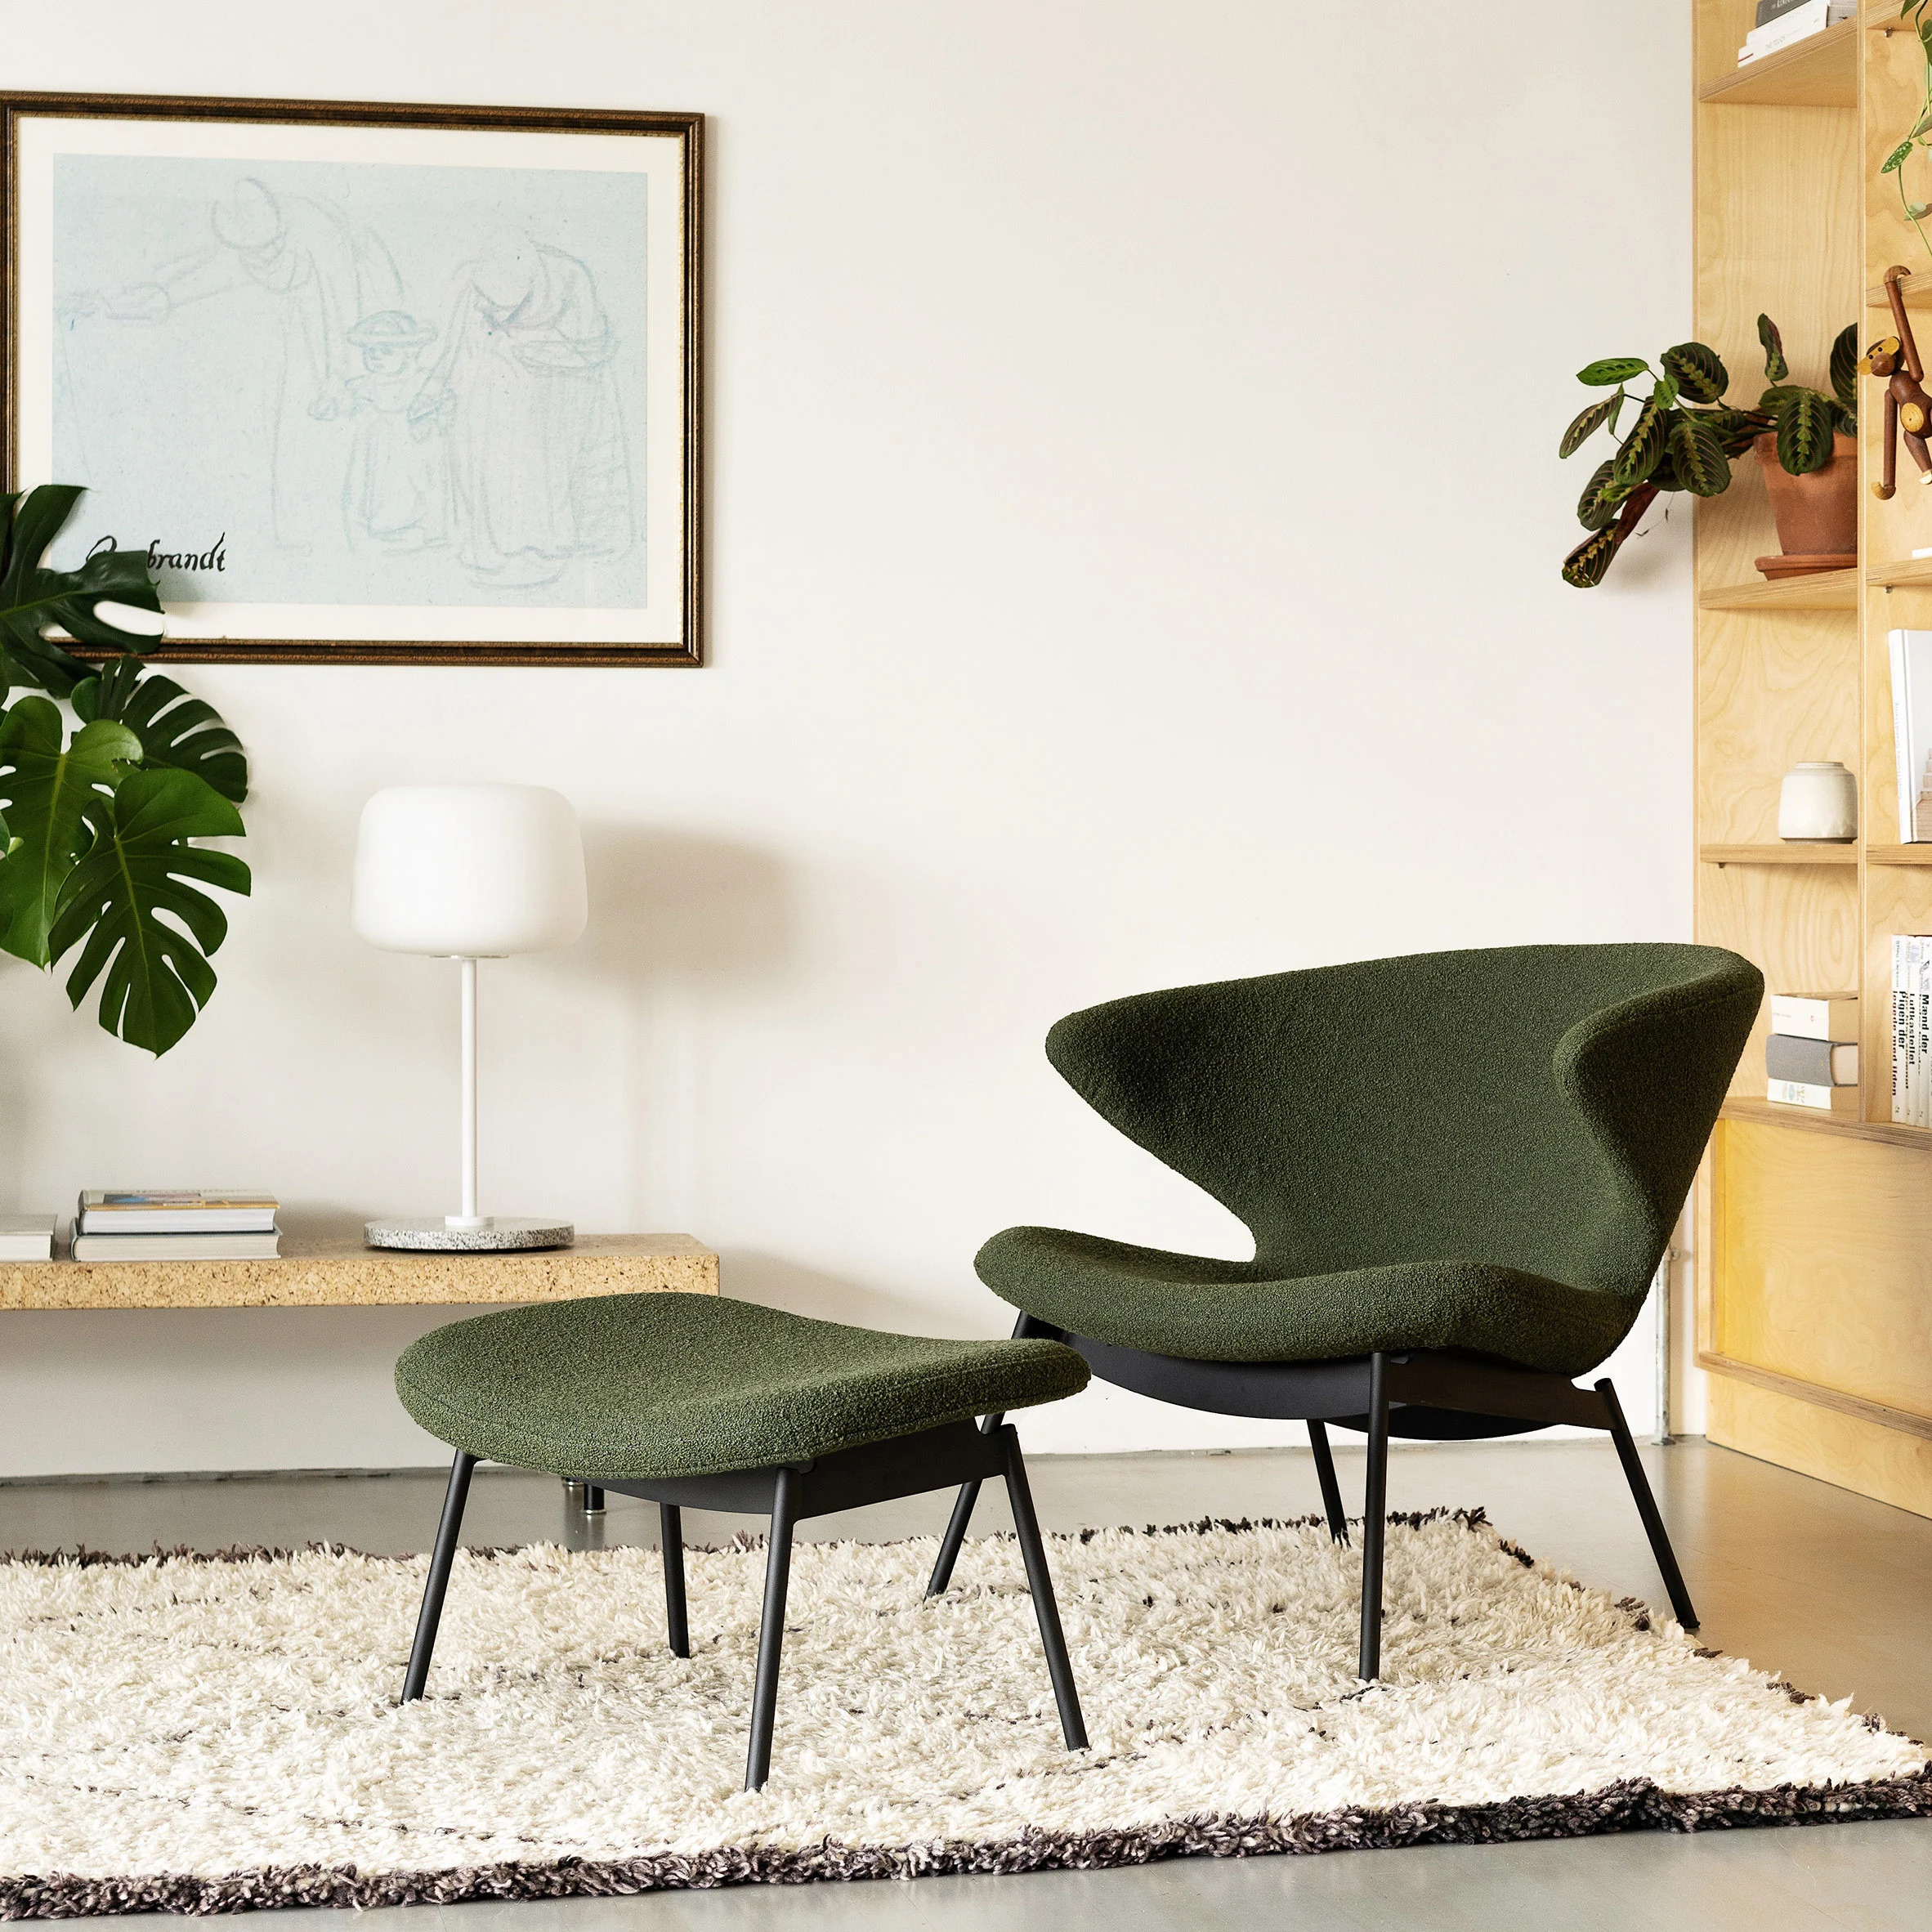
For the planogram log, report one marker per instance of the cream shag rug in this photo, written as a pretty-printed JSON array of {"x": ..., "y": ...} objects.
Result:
[{"x": 198, "y": 1735}]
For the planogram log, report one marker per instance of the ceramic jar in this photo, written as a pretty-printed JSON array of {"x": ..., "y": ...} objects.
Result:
[{"x": 1818, "y": 800}]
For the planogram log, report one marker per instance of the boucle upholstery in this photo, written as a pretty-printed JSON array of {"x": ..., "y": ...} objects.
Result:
[
  {"x": 636, "y": 1386},
  {"x": 1483, "y": 1150}
]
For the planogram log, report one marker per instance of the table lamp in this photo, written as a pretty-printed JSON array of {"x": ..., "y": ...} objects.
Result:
[{"x": 469, "y": 872}]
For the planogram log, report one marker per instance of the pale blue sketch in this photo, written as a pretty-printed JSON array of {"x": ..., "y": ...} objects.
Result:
[
  {"x": 355, "y": 383},
  {"x": 397, "y": 493}
]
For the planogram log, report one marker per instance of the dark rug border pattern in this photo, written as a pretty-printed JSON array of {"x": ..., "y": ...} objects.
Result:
[{"x": 1632, "y": 1805}]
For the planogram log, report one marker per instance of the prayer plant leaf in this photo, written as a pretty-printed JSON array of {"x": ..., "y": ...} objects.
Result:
[
  {"x": 1643, "y": 448},
  {"x": 1696, "y": 371},
  {"x": 1804, "y": 433},
  {"x": 1614, "y": 370},
  {"x": 1597, "y": 506},
  {"x": 46, "y": 785},
  {"x": 176, "y": 731},
  {"x": 1584, "y": 567},
  {"x": 32, "y": 599},
  {"x": 153, "y": 970},
  {"x": 1844, "y": 367},
  {"x": 1698, "y": 457},
  {"x": 1776, "y": 367},
  {"x": 1587, "y": 425}
]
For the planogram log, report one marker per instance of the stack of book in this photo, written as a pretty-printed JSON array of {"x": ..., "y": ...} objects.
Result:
[
  {"x": 1811, "y": 1058},
  {"x": 26, "y": 1238},
  {"x": 1781, "y": 22},
  {"x": 1911, "y": 1029},
  {"x": 140, "y": 1224}
]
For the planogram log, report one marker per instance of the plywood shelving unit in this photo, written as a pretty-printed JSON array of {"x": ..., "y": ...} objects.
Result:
[{"x": 1815, "y": 1249}]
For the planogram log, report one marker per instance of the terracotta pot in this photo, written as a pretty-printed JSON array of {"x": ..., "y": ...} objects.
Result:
[{"x": 1818, "y": 514}]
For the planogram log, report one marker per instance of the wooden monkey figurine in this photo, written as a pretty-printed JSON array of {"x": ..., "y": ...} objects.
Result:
[{"x": 1908, "y": 408}]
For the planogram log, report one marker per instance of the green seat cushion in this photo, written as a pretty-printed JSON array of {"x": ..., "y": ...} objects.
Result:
[
  {"x": 1232, "y": 1311},
  {"x": 654, "y": 1385}
]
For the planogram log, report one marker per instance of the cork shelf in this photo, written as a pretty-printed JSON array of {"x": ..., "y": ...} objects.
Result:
[{"x": 343, "y": 1273}]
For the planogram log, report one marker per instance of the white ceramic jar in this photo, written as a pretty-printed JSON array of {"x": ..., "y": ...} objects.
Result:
[{"x": 1820, "y": 801}]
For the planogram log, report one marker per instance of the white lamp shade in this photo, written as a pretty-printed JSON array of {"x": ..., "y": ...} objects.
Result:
[{"x": 469, "y": 871}]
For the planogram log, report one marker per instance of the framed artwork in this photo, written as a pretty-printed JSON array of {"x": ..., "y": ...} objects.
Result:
[{"x": 370, "y": 383}]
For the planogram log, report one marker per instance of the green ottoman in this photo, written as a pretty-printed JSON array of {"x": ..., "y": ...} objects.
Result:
[{"x": 694, "y": 1400}]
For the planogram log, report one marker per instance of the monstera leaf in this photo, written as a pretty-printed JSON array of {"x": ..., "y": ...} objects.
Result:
[
  {"x": 46, "y": 785},
  {"x": 155, "y": 975},
  {"x": 175, "y": 730},
  {"x": 32, "y": 599}
]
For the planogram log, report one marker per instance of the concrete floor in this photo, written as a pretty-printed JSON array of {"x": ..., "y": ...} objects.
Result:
[{"x": 1831, "y": 1591}]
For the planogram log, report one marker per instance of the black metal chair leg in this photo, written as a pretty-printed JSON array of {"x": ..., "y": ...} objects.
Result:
[
  {"x": 778, "y": 1572},
  {"x": 1331, "y": 1491},
  {"x": 1375, "y": 1510},
  {"x": 1039, "y": 1581},
  {"x": 1653, "y": 1522},
  {"x": 962, "y": 1515},
  {"x": 441, "y": 1558},
  {"x": 671, "y": 1540}
]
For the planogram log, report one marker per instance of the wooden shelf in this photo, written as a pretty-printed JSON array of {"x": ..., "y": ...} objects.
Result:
[
  {"x": 1917, "y": 289},
  {"x": 1771, "y": 1113},
  {"x": 1908, "y": 574},
  {"x": 1899, "y": 855},
  {"x": 1797, "y": 852},
  {"x": 1822, "y": 590},
  {"x": 1820, "y": 72}
]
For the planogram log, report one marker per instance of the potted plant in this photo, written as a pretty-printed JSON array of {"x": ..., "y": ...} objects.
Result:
[
  {"x": 1684, "y": 436},
  {"x": 96, "y": 841}
]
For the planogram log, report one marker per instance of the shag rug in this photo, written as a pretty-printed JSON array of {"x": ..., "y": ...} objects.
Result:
[{"x": 191, "y": 1734}]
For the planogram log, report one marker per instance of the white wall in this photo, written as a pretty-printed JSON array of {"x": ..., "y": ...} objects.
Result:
[{"x": 1135, "y": 530}]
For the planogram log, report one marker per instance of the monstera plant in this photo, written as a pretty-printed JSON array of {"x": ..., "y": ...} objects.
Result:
[
  {"x": 1684, "y": 434},
  {"x": 97, "y": 823}
]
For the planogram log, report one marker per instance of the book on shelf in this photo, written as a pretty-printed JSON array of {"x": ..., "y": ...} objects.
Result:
[
  {"x": 1790, "y": 24},
  {"x": 1828, "y": 1100},
  {"x": 1812, "y": 1063},
  {"x": 1815, "y": 1016},
  {"x": 1770, "y": 9},
  {"x": 176, "y": 1247},
  {"x": 26, "y": 1238},
  {"x": 1911, "y": 1029},
  {"x": 1911, "y": 731},
  {"x": 176, "y": 1211}
]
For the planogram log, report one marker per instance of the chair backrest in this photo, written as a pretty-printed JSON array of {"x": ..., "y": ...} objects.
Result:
[{"x": 1542, "y": 1107}]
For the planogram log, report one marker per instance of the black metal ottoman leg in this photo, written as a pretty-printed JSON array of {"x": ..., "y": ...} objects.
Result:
[
  {"x": 441, "y": 1558},
  {"x": 1685, "y": 1610},
  {"x": 778, "y": 1572},
  {"x": 1375, "y": 1510},
  {"x": 1331, "y": 1491},
  {"x": 585, "y": 1498},
  {"x": 962, "y": 1515},
  {"x": 671, "y": 1540},
  {"x": 957, "y": 1526},
  {"x": 1040, "y": 1582}
]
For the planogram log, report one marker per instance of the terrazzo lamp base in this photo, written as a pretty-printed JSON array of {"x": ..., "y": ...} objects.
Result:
[{"x": 489, "y": 1232}]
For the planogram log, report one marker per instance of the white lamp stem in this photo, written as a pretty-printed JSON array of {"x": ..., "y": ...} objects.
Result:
[{"x": 469, "y": 1217}]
